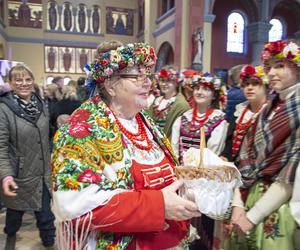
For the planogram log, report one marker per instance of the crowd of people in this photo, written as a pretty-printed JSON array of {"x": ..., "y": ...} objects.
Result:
[{"x": 114, "y": 155}]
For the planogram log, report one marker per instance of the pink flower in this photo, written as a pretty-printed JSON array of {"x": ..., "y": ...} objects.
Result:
[{"x": 89, "y": 176}]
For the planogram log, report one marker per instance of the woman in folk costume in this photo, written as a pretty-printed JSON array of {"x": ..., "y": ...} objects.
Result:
[
  {"x": 171, "y": 104},
  {"x": 255, "y": 89},
  {"x": 187, "y": 88},
  {"x": 268, "y": 159},
  {"x": 113, "y": 169},
  {"x": 295, "y": 200},
  {"x": 186, "y": 134}
]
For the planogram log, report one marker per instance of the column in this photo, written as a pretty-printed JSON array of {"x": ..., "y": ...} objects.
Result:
[
  {"x": 74, "y": 10},
  {"x": 207, "y": 30},
  {"x": 59, "y": 10},
  {"x": 150, "y": 7},
  {"x": 184, "y": 48},
  {"x": 89, "y": 14},
  {"x": 297, "y": 35},
  {"x": 258, "y": 35}
]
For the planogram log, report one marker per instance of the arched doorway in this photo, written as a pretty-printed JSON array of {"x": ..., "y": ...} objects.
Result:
[{"x": 165, "y": 56}]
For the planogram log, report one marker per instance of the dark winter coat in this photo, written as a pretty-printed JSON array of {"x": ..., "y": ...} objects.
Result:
[
  {"x": 235, "y": 96},
  {"x": 24, "y": 153}
]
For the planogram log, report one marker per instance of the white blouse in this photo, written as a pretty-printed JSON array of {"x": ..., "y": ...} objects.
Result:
[{"x": 216, "y": 142}]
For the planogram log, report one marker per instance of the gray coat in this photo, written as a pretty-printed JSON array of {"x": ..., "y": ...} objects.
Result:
[{"x": 24, "y": 154}]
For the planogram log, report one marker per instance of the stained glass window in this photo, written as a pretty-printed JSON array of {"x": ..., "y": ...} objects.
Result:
[
  {"x": 276, "y": 32},
  {"x": 235, "y": 33}
]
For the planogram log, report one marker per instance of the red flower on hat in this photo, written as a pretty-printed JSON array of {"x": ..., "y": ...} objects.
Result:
[
  {"x": 163, "y": 73},
  {"x": 122, "y": 65},
  {"x": 100, "y": 79},
  {"x": 247, "y": 72},
  {"x": 276, "y": 47},
  {"x": 104, "y": 62}
]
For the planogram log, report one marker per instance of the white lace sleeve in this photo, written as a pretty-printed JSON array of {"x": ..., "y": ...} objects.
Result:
[
  {"x": 216, "y": 142},
  {"x": 295, "y": 201},
  {"x": 175, "y": 136}
]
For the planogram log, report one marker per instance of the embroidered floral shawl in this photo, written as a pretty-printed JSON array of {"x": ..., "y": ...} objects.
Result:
[{"x": 90, "y": 156}]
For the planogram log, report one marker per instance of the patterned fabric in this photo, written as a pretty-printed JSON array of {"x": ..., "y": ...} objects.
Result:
[
  {"x": 161, "y": 114},
  {"x": 177, "y": 109},
  {"x": 277, "y": 232},
  {"x": 31, "y": 108},
  {"x": 272, "y": 149},
  {"x": 192, "y": 138},
  {"x": 89, "y": 149}
]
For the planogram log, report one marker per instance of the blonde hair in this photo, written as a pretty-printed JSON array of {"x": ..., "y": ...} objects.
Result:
[
  {"x": 18, "y": 70},
  {"x": 69, "y": 92},
  {"x": 73, "y": 83},
  {"x": 54, "y": 91}
]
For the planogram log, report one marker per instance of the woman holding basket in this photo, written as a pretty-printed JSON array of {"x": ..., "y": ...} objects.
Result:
[
  {"x": 113, "y": 169},
  {"x": 186, "y": 134},
  {"x": 269, "y": 157}
]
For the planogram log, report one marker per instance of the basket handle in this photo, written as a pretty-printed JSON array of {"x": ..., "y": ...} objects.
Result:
[{"x": 202, "y": 146}]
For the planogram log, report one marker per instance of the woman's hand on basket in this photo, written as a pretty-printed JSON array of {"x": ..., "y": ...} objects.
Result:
[
  {"x": 237, "y": 213},
  {"x": 177, "y": 208},
  {"x": 243, "y": 225}
]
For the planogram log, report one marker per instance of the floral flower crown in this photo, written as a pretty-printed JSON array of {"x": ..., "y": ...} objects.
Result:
[
  {"x": 281, "y": 49},
  {"x": 169, "y": 74},
  {"x": 207, "y": 80},
  {"x": 189, "y": 76},
  {"x": 256, "y": 73},
  {"x": 110, "y": 63}
]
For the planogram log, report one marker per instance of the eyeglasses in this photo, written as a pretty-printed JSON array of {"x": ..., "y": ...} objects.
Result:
[
  {"x": 138, "y": 78},
  {"x": 20, "y": 81}
]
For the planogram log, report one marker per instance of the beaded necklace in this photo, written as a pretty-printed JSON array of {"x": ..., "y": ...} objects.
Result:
[
  {"x": 241, "y": 129},
  {"x": 139, "y": 137},
  {"x": 161, "y": 113},
  {"x": 196, "y": 122}
]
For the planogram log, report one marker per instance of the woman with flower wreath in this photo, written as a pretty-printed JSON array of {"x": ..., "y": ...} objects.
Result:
[
  {"x": 172, "y": 104},
  {"x": 186, "y": 134},
  {"x": 255, "y": 89},
  {"x": 113, "y": 168},
  {"x": 268, "y": 159}
]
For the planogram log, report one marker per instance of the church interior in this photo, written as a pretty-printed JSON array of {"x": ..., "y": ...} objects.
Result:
[{"x": 57, "y": 38}]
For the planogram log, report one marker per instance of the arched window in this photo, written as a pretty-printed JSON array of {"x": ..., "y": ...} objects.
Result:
[
  {"x": 49, "y": 79},
  {"x": 235, "y": 33},
  {"x": 276, "y": 32},
  {"x": 66, "y": 80}
]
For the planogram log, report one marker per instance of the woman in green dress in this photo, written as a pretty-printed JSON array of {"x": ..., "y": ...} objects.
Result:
[{"x": 268, "y": 159}]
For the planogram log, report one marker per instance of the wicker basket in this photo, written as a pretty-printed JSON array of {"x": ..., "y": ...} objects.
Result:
[{"x": 223, "y": 174}]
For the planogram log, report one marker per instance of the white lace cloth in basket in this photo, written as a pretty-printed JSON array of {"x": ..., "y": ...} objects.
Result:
[{"x": 213, "y": 197}]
